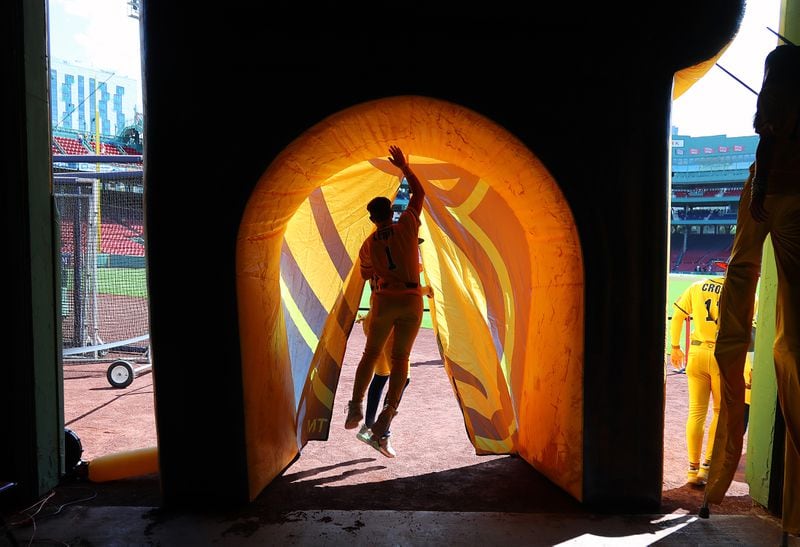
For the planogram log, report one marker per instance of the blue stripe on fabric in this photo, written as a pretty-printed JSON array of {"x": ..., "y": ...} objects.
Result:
[
  {"x": 300, "y": 356},
  {"x": 304, "y": 296},
  {"x": 330, "y": 236}
]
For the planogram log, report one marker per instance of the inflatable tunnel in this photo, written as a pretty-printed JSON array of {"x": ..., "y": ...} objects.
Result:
[
  {"x": 686, "y": 78},
  {"x": 504, "y": 261}
]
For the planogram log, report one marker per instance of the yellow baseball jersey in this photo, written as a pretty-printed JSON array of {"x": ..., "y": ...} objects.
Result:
[
  {"x": 390, "y": 256},
  {"x": 748, "y": 377},
  {"x": 700, "y": 301}
]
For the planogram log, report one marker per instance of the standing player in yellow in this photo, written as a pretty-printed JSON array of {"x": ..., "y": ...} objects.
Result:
[
  {"x": 700, "y": 302},
  {"x": 769, "y": 205},
  {"x": 748, "y": 365},
  {"x": 389, "y": 259}
]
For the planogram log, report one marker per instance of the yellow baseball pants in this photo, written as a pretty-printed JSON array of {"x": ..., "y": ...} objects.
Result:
[
  {"x": 736, "y": 312},
  {"x": 400, "y": 314},
  {"x": 703, "y": 379}
]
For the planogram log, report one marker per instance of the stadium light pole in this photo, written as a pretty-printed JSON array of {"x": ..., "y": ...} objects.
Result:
[{"x": 95, "y": 216}]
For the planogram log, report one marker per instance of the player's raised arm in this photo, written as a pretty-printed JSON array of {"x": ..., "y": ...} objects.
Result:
[{"x": 398, "y": 159}]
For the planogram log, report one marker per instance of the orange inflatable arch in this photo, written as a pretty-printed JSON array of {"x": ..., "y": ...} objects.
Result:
[
  {"x": 504, "y": 262},
  {"x": 505, "y": 265}
]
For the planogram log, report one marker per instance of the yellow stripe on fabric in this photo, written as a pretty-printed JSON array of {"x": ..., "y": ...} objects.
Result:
[
  {"x": 462, "y": 213},
  {"x": 345, "y": 196},
  {"x": 297, "y": 317},
  {"x": 493, "y": 445},
  {"x": 446, "y": 184},
  {"x": 303, "y": 239},
  {"x": 476, "y": 399},
  {"x": 346, "y": 206},
  {"x": 332, "y": 345},
  {"x": 321, "y": 391},
  {"x": 335, "y": 340}
]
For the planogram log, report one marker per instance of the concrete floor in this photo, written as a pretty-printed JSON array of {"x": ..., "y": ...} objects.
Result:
[
  {"x": 329, "y": 497},
  {"x": 112, "y": 526}
]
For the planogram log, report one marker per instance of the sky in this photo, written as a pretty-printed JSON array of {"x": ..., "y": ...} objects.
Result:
[
  {"x": 719, "y": 105},
  {"x": 96, "y": 33},
  {"x": 100, "y": 34}
]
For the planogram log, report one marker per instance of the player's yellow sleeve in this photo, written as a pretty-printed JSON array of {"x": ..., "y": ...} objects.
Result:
[
  {"x": 748, "y": 377},
  {"x": 676, "y": 325}
]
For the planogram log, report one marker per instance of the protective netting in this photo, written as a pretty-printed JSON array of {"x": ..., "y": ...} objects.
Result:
[{"x": 104, "y": 301}]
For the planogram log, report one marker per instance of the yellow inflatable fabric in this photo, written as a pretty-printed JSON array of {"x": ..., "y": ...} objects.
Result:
[
  {"x": 686, "y": 78},
  {"x": 502, "y": 255}
]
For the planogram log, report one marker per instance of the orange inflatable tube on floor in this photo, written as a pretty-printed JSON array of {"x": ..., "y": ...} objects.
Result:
[{"x": 123, "y": 465}]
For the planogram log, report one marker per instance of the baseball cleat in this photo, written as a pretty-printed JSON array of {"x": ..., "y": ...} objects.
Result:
[{"x": 354, "y": 415}]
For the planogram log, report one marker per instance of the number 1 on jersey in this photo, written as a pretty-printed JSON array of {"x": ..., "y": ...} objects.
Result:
[
  {"x": 708, "y": 311},
  {"x": 392, "y": 265}
]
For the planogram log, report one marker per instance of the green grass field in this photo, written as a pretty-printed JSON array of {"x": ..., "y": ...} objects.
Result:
[
  {"x": 117, "y": 281},
  {"x": 123, "y": 281}
]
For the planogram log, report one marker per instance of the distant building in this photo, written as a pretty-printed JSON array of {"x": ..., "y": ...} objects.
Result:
[
  {"x": 79, "y": 93},
  {"x": 708, "y": 174}
]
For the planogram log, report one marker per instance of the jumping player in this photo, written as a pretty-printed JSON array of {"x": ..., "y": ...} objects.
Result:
[
  {"x": 382, "y": 371},
  {"x": 389, "y": 259}
]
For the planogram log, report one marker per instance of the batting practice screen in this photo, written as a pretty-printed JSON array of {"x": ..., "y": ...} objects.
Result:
[{"x": 100, "y": 231}]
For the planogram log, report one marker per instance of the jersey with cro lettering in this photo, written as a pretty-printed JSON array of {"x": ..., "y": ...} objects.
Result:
[
  {"x": 390, "y": 256},
  {"x": 701, "y": 301}
]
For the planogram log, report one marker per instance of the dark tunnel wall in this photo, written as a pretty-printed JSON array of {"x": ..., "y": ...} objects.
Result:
[{"x": 245, "y": 81}]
